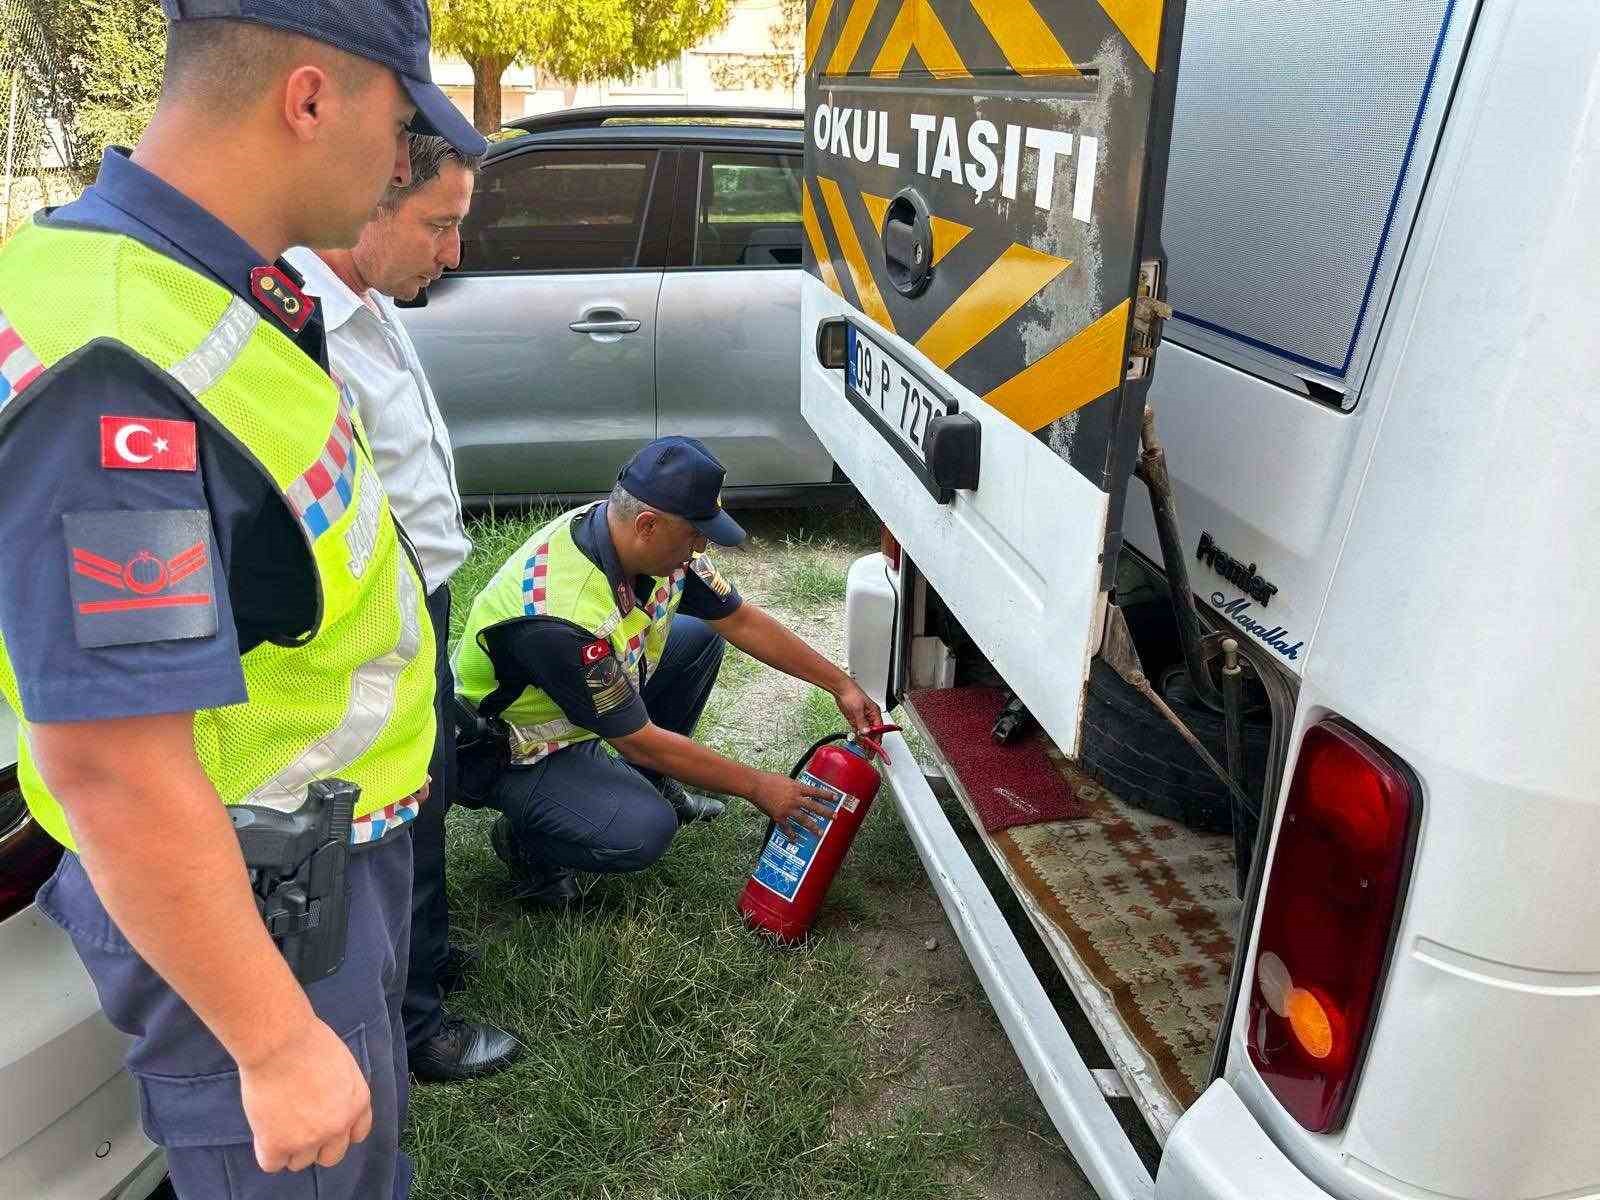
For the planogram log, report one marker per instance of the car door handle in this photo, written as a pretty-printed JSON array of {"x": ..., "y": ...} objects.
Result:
[{"x": 623, "y": 325}]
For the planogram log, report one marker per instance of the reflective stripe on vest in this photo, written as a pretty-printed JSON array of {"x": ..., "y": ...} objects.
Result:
[
  {"x": 210, "y": 360},
  {"x": 354, "y": 697},
  {"x": 372, "y": 692}
]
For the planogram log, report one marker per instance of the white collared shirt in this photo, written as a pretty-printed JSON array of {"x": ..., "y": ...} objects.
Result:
[{"x": 371, "y": 351}]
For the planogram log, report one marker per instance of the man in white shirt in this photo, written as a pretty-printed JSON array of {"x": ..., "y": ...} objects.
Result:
[{"x": 414, "y": 238}]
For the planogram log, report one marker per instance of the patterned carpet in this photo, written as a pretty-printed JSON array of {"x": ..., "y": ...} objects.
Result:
[{"x": 1150, "y": 909}]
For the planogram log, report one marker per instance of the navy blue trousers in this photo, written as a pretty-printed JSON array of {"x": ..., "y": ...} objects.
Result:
[
  {"x": 189, "y": 1086},
  {"x": 589, "y": 810}
]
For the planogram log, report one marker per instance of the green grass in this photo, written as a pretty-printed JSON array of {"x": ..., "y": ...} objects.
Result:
[
  {"x": 671, "y": 1053},
  {"x": 806, "y": 582},
  {"x": 851, "y": 525}
]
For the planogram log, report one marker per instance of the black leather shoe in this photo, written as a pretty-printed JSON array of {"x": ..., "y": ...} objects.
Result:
[
  {"x": 463, "y": 1050},
  {"x": 534, "y": 884},
  {"x": 459, "y": 962},
  {"x": 688, "y": 805}
]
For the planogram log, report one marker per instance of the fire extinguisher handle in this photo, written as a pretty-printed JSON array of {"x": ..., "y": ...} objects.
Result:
[{"x": 869, "y": 736}]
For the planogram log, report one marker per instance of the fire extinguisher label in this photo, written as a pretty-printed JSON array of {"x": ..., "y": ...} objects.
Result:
[{"x": 785, "y": 859}]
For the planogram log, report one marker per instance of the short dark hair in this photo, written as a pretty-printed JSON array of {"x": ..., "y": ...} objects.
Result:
[
  {"x": 222, "y": 59},
  {"x": 428, "y": 157}
]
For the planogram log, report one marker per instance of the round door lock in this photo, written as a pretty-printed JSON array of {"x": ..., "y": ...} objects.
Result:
[{"x": 908, "y": 243}]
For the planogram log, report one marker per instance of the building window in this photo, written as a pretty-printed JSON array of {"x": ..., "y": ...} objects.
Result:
[{"x": 668, "y": 77}]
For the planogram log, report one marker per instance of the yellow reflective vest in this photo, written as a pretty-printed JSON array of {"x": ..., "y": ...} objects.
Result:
[
  {"x": 550, "y": 576},
  {"x": 354, "y": 697}
]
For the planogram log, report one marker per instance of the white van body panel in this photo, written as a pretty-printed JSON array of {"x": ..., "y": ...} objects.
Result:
[
  {"x": 1269, "y": 472},
  {"x": 1230, "y": 478},
  {"x": 1219, "y": 1152},
  {"x": 1459, "y": 629},
  {"x": 69, "y": 1112},
  {"x": 1014, "y": 560},
  {"x": 1436, "y": 546}
]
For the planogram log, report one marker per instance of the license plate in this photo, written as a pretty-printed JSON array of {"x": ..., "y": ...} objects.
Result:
[{"x": 897, "y": 400}]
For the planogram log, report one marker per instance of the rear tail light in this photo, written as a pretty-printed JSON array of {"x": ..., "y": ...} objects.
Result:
[
  {"x": 1328, "y": 922},
  {"x": 890, "y": 548},
  {"x": 27, "y": 853}
]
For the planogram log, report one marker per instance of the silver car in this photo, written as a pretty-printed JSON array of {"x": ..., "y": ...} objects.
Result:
[
  {"x": 69, "y": 1116},
  {"x": 625, "y": 274}
]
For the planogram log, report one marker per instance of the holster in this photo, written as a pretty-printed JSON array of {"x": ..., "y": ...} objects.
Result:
[{"x": 297, "y": 862}]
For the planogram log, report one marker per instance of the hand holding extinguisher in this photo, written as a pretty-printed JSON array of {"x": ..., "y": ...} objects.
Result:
[
  {"x": 796, "y": 866},
  {"x": 791, "y": 803}
]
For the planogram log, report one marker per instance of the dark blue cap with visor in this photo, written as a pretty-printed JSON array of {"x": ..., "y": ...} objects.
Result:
[
  {"x": 680, "y": 477},
  {"x": 393, "y": 33}
]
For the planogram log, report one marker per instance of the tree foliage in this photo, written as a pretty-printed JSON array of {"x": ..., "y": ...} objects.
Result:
[
  {"x": 89, "y": 71},
  {"x": 125, "y": 51},
  {"x": 778, "y": 70},
  {"x": 577, "y": 41}
]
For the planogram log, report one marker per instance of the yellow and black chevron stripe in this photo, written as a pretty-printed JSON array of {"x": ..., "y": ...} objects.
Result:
[{"x": 1028, "y": 305}]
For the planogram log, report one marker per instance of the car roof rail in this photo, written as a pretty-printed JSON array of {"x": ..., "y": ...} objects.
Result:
[{"x": 587, "y": 118}]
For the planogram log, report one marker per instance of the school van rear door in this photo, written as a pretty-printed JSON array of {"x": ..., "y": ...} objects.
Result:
[{"x": 983, "y": 183}]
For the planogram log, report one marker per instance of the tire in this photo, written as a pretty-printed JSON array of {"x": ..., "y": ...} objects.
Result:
[{"x": 1129, "y": 747}]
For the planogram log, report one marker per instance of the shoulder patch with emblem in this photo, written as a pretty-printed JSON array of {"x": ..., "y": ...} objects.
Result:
[
  {"x": 277, "y": 292},
  {"x": 140, "y": 576},
  {"x": 707, "y": 571},
  {"x": 609, "y": 686}
]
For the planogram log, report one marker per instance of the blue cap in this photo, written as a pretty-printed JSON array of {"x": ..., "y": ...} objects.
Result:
[
  {"x": 679, "y": 476},
  {"x": 392, "y": 32}
]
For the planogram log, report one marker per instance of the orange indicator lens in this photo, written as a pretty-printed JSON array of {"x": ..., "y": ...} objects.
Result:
[{"x": 1310, "y": 1023}]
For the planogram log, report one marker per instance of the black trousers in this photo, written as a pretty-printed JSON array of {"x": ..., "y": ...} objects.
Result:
[{"x": 423, "y": 1009}]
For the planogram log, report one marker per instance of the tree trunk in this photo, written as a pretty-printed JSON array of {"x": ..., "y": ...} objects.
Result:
[{"x": 486, "y": 73}]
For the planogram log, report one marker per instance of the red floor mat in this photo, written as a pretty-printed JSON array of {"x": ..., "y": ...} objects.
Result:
[{"x": 1008, "y": 785}]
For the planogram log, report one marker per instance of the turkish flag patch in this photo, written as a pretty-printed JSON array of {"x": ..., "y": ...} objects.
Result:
[
  {"x": 147, "y": 444},
  {"x": 595, "y": 651}
]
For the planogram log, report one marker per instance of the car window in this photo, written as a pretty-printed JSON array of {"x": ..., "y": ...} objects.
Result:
[
  {"x": 558, "y": 210},
  {"x": 749, "y": 210}
]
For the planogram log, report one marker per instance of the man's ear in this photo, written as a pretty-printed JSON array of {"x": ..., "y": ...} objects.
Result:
[
  {"x": 645, "y": 525},
  {"x": 305, "y": 98}
]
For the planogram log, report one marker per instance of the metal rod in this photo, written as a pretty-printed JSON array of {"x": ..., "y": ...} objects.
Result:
[
  {"x": 1152, "y": 469},
  {"x": 1138, "y": 680},
  {"x": 1233, "y": 739},
  {"x": 11, "y": 154},
  {"x": 1233, "y": 708}
]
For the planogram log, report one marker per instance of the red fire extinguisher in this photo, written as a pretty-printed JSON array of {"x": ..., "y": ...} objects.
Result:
[{"x": 792, "y": 875}]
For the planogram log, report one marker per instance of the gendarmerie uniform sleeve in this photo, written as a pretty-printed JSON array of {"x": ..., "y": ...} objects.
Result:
[
  {"x": 113, "y": 575},
  {"x": 578, "y": 671}
]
